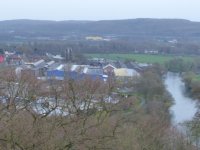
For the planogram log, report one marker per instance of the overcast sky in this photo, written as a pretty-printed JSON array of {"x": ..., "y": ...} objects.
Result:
[{"x": 98, "y": 9}]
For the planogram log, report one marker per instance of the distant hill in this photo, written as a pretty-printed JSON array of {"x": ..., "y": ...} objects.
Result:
[{"x": 152, "y": 28}]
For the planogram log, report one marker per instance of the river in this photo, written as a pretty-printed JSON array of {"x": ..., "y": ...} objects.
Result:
[{"x": 184, "y": 108}]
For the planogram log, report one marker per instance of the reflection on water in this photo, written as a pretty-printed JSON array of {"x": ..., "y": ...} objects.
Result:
[{"x": 184, "y": 108}]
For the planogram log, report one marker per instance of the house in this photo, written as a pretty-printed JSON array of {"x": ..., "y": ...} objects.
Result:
[
  {"x": 37, "y": 68},
  {"x": 93, "y": 70},
  {"x": 95, "y": 73},
  {"x": 14, "y": 60},
  {"x": 109, "y": 69}
]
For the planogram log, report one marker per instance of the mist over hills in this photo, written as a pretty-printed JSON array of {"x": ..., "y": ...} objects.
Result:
[{"x": 132, "y": 28}]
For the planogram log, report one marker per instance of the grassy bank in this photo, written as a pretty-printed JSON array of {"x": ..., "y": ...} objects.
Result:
[{"x": 142, "y": 58}]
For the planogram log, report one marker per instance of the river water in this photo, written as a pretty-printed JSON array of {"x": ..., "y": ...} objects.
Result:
[{"x": 184, "y": 108}]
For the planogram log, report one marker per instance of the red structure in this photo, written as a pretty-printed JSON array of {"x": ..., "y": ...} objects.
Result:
[{"x": 1, "y": 58}]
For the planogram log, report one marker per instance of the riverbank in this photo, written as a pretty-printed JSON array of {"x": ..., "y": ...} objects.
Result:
[
  {"x": 184, "y": 108},
  {"x": 192, "y": 83}
]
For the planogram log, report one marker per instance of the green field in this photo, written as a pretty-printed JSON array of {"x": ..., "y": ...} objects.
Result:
[
  {"x": 142, "y": 58},
  {"x": 197, "y": 78}
]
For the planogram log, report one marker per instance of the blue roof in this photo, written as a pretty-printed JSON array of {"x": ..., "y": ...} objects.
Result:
[
  {"x": 55, "y": 73},
  {"x": 71, "y": 75}
]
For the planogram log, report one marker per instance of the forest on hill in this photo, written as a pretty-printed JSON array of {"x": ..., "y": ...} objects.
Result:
[{"x": 147, "y": 28}]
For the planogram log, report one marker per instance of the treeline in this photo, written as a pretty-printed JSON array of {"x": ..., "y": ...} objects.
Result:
[
  {"x": 192, "y": 82},
  {"x": 113, "y": 46}
]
